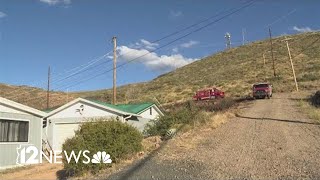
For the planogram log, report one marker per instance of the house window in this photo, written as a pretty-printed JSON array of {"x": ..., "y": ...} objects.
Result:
[
  {"x": 151, "y": 111},
  {"x": 14, "y": 131}
]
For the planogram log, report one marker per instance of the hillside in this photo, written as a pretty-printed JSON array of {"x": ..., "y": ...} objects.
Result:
[
  {"x": 234, "y": 71},
  {"x": 34, "y": 97}
]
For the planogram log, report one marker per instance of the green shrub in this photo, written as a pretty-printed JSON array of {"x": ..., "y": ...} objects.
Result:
[
  {"x": 179, "y": 116},
  {"x": 118, "y": 139},
  {"x": 160, "y": 126},
  {"x": 189, "y": 113},
  {"x": 315, "y": 99}
]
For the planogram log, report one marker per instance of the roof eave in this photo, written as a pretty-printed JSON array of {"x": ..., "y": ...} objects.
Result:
[
  {"x": 23, "y": 108},
  {"x": 89, "y": 102}
]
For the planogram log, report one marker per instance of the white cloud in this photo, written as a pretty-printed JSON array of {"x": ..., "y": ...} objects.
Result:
[
  {"x": 184, "y": 45},
  {"x": 303, "y": 29},
  {"x": 144, "y": 44},
  {"x": 175, "y": 50},
  {"x": 189, "y": 44},
  {"x": 175, "y": 14},
  {"x": 54, "y": 2},
  {"x": 154, "y": 61},
  {"x": 2, "y": 14},
  {"x": 148, "y": 45}
]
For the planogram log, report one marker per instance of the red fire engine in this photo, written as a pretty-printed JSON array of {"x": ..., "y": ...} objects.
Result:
[{"x": 212, "y": 93}]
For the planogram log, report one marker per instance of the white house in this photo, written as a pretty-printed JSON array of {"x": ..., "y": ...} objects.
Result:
[
  {"x": 62, "y": 122},
  {"x": 20, "y": 126}
]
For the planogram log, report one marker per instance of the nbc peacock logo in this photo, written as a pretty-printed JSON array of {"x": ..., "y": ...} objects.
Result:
[{"x": 101, "y": 157}]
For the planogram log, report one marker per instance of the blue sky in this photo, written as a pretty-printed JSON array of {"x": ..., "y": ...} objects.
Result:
[{"x": 75, "y": 35}]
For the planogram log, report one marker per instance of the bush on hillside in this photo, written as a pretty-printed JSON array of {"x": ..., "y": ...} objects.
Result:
[
  {"x": 118, "y": 139},
  {"x": 315, "y": 99},
  {"x": 188, "y": 113},
  {"x": 168, "y": 121},
  {"x": 224, "y": 104},
  {"x": 178, "y": 116},
  {"x": 214, "y": 106}
]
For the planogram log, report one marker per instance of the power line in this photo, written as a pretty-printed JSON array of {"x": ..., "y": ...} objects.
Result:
[
  {"x": 169, "y": 43},
  {"x": 82, "y": 70},
  {"x": 93, "y": 61},
  {"x": 85, "y": 68},
  {"x": 60, "y": 74},
  {"x": 54, "y": 79},
  {"x": 247, "y": 4},
  {"x": 196, "y": 24},
  {"x": 76, "y": 83},
  {"x": 282, "y": 17},
  {"x": 191, "y": 26}
]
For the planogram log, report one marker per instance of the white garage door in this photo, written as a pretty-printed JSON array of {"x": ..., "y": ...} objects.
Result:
[{"x": 63, "y": 132}]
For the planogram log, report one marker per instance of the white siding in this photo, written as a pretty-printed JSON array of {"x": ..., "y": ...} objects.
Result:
[
  {"x": 146, "y": 114},
  {"x": 88, "y": 111},
  {"x": 8, "y": 151},
  {"x": 139, "y": 123},
  {"x": 62, "y": 125},
  {"x": 14, "y": 111},
  {"x": 63, "y": 132},
  {"x": 7, "y": 109}
]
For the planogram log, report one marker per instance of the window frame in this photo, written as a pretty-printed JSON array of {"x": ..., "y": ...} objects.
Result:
[{"x": 17, "y": 119}]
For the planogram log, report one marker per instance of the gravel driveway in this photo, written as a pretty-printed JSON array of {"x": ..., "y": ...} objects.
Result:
[{"x": 269, "y": 139}]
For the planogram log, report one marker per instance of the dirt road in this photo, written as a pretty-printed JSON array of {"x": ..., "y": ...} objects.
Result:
[
  {"x": 270, "y": 139},
  {"x": 40, "y": 171}
]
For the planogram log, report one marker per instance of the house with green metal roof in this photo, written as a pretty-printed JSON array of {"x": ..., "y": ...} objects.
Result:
[
  {"x": 62, "y": 122},
  {"x": 135, "y": 108}
]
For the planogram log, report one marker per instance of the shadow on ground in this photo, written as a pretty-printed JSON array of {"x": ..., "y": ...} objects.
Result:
[
  {"x": 279, "y": 120},
  {"x": 62, "y": 174},
  {"x": 130, "y": 169}
]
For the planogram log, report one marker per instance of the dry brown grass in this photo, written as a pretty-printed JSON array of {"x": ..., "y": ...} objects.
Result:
[
  {"x": 234, "y": 71},
  {"x": 237, "y": 69},
  {"x": 220, "y": 119},
  {"x": 192, "y": 138},
  {"x": 305, "y": 106}
]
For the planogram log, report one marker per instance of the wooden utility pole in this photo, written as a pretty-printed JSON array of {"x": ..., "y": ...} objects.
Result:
[
  {"x": 114, "y": 99},
  {"x": 293, "y": 72},
  {"x": 48, "y": 89},
  {"x": 271, "y": 49}
]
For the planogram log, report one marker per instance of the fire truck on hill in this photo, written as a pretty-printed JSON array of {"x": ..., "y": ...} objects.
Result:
[{"x": 212, "y": 93}]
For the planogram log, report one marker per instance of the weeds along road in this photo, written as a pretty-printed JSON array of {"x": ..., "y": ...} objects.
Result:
[{"x": 269, "y": 139}]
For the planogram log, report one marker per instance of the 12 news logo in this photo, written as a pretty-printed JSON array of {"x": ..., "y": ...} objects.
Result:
[{"x": 31, "y": 155}]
